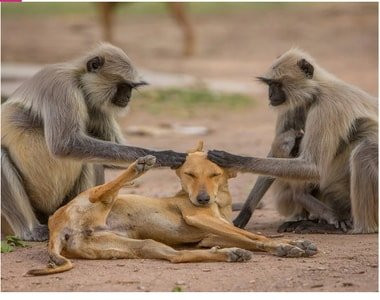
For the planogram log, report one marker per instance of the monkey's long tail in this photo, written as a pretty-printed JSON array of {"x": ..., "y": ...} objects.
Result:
[{"x": 57, "y": 264}]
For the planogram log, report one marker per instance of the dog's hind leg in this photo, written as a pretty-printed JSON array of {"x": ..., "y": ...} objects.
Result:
[{"x": 108, "y": 245}]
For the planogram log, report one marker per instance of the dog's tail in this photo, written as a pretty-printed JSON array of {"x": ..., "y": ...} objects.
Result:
[{"x": 57, "y": 263}]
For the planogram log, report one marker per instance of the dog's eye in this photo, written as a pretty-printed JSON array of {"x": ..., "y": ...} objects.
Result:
[
  {"x": 215, "y": 175},
  {"x": 190, "y": 174}
]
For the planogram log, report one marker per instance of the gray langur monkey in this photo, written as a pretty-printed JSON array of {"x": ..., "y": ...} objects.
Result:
[
  {"x": 59, "y": 130},
  {"x": 339, "y": 149}
]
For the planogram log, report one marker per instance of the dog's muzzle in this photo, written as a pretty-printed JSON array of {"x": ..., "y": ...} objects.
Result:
[{"x": 203, "y": 198}]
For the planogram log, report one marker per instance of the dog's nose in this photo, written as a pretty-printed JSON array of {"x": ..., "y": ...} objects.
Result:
[{"x": 203, "y": 198}]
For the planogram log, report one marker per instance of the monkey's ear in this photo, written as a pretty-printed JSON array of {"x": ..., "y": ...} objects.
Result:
[
  {"x": 306, "y": 67},
  {"x": 95, "y": 63}
]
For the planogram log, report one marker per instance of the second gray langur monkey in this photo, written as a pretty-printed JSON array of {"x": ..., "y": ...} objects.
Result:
[
  {"x": 338, "y": 152},
  {"x": 59, "y": 130},
  {"x": 289, "y": 125}
]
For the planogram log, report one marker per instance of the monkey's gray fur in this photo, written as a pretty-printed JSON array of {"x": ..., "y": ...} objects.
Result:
[
  {"x": 339, "y": 150},
  {"x": 58, "y": 130}
]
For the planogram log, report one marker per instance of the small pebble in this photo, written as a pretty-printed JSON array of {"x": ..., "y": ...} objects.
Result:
[
  {"x": 347, "y": 284},
  {"x": 206, "y": 270},
  {"x": 180, "y": 282}
]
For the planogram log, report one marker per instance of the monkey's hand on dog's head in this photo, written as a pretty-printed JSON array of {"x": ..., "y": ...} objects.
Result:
[
  {"x": 227, "y": 160},
  {"x": 169, "y": 158}
]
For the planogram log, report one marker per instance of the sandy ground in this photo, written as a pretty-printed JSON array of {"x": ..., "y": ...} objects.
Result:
[{"x": 235, "y": 46}]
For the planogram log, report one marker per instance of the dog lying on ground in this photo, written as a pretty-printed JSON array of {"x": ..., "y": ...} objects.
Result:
[{"x": 100, "y": 224}]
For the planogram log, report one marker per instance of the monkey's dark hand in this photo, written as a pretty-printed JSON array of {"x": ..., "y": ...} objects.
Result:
[
  {"x": 227, "y": 160},
  {"x": 169, "y": 158}
]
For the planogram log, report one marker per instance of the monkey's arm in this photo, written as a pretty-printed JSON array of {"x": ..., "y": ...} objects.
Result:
[
  {"x": 288, "y": 168},
  {"x": 262, "y": 184},
  {"x": 65, "y": 134}
]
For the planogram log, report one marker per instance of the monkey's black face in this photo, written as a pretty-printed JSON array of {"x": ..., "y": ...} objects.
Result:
[
  {"x": 124, "y": 92},
  {"x": 277, "y": 95}
]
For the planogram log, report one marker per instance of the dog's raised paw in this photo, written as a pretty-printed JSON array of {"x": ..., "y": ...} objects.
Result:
[
  {"x": 238, "y": 255},
  {"x": 145, "y": 163}
]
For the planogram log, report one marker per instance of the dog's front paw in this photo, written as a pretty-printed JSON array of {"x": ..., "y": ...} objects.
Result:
[
  {"x": 309, "y": 248},
  {"x": 144, "y": 163},
  {"x": 236, "y": 254},
  {"x": 289, "y": 251}
]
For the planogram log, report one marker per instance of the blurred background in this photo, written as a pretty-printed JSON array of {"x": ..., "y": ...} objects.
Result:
[{"x": 201, "y": 60}]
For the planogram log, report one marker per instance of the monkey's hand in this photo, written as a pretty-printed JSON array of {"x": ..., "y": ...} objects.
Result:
[
  {"x": 169, "y": 158},
  {"x": 227, "y": 160},
  {"x": 286, "y": 144}
]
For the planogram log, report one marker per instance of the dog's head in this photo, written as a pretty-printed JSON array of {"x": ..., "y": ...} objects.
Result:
[{"x": 201, "y": 178}]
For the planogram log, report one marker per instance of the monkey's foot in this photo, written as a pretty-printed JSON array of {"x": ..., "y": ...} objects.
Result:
[
  {"x": 235, "y": 254},
  {"x": 289, "y": 251},
  {"x": 39, "y": 233},
  {"x": 144, "y": 163},
  {"x": 309, "y": 226}
]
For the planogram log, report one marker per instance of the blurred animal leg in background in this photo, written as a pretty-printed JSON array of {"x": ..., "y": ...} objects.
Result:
[{"x": 177, "y": 10}]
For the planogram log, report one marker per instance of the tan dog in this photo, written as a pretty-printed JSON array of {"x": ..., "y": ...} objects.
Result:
[{"x": 100, "y": 224}]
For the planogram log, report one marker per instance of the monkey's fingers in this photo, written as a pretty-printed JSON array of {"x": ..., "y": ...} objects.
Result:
[
  {"x": 169, "y": 158},
  {"x": 242, "y": 219},
  {"x": 225, "y": 159}
]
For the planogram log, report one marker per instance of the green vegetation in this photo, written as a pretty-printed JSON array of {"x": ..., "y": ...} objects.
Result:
[
  {"x": 177, "y": 289},
  {"x": 188, "y": 101},
  {"x": 10, "y": 243},
  {"x": 132, "y": 8}
]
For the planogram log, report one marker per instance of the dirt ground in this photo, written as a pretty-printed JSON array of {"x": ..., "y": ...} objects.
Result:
[{"x": 236, "y": 46}]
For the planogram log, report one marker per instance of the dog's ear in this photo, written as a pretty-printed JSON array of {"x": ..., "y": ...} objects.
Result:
[
  {"x": 198, "y": 148},
  {"x": 231, "y": 173}
]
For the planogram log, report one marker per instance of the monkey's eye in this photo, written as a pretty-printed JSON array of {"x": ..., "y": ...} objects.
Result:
[
  {"x": 215, "y": 175},
  {"x": 95, "y": 64},
  {"x": 190, "y": 174}
]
